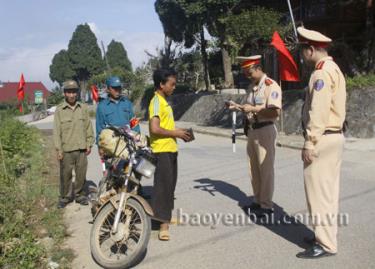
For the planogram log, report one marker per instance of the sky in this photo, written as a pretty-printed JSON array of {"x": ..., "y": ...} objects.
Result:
[{"x": 33, "y": 31}]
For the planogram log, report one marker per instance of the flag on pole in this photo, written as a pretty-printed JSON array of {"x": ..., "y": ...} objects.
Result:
[
  {"x": 95, "y": 93},
  {"x": 21, "y": 92},
  {"x": 288, "y": 68}
]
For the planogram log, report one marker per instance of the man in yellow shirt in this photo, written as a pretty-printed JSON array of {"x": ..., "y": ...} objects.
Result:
[{"x": 163, "y": 135}]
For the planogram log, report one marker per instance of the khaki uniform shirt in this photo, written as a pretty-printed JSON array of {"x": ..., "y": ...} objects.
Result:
[
  {"x": 72, "y": 128},
  {"x": 266, "y": 94},
  {"x": 324, "y": 107}
]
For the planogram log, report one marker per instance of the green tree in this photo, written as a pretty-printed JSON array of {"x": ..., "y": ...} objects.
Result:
[
  {"x": 61, "y": 69},
  {"x": 133, "y": 83},
  {"x": 194, "y": 17},
  {"x": 85, "y": 56},
  {"x": 184, "y": 21},
  {"x": 189, "y": 68},
  {"x": 256, "y": 33},
  {"x": 217, "y": 10},
  {"x": 56, "y": 96},
  {"x": 234, "y": 23},
  {"x": 117, "y": 56}
]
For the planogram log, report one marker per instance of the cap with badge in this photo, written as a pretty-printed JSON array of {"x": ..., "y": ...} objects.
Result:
[
  {"x": 312, "y": 38},
  {"x": 70, "y": 85},
  {"x": 113, "y": 82},
  {"x": 248, "y": 62}
]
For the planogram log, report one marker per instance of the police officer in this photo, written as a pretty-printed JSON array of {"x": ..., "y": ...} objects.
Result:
[
  {"x": 261, "y": 110},
  {"x": 73, "y": 138},
  {"x": 322, "y": 119},
  {"x": 116, "y": 110}
]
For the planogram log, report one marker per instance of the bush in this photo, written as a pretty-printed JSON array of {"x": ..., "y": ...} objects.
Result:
[
  {"x": 15, "y": 137},
  {"x": 12, "y": 108},
  {"x": 360, "y": 81},
  {"x": 17, "y": 243},
  {"x": 26, "y": 199},
  {"x": 182, "y": 89},
  {"x": 56, "y": 97}
]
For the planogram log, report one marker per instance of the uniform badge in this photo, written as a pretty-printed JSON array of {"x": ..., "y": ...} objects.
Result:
[
  {"x": 318, "y": 85},
  {"x": 274, "y": 95}
]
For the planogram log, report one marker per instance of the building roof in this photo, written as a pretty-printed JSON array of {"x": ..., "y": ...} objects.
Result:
[{"x": 8, "y": 91}]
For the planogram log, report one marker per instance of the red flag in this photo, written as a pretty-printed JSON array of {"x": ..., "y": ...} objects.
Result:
[
  {"x": 21, "y": 91},
  {"x": 287, "y": 66},
  {"x": 95, "y": 93},
  {"x": 134, "y": 122}
]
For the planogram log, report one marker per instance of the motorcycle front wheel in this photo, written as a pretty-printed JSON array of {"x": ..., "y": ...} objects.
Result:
[{"x": 127, "y": 246}]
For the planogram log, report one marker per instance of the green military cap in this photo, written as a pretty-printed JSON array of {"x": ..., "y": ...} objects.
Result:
[{"x": 70, "y": 85}]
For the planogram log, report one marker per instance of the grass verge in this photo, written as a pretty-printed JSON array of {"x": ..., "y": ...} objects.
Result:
[{"x": 31, "y": 228}]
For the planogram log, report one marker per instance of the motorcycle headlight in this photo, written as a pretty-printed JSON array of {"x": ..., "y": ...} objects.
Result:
[{"x": 145, "y": 164}]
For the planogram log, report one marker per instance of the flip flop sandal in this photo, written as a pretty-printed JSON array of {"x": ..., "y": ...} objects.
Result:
[
  {"x": 175, "y": 221},
  {"x": 164, "y": 235}
]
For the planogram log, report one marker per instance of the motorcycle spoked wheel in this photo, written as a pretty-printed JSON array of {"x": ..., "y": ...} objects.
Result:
[{"x": 127, "y": 246}]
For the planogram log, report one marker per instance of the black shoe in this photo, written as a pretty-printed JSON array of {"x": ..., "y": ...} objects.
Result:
[
  {"x": 309, "y": 240},
  {"x": 82, "y": 200},
  {"x": 315, "y": 252},
  {"x": 263, "y": 212},
  {"x": 252, "y": 207},
  {"x": 61, "y": 204}
]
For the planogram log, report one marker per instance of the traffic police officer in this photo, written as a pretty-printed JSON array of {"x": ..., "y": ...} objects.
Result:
[
  {"x": 322, "y": 119},
  {"x": 261, "y": 110}
]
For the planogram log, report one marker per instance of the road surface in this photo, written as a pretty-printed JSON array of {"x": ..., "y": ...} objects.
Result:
[{"x": 213, "y": 183}]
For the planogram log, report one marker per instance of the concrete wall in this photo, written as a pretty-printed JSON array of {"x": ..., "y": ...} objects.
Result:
[{"x": 209, "y": 110}]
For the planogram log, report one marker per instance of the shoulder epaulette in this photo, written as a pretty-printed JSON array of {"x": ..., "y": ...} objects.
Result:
[
  {"x": 268, "y": 82},
  {"x": 320, "y": 65}
]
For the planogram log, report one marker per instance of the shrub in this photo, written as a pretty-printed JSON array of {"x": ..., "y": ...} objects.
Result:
[
  {"x": 26, "y": 198},
  {"x": 360, "y": 81}
]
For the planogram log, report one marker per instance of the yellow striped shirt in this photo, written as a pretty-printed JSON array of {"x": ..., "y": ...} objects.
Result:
[{"x": 160, "y": 108}]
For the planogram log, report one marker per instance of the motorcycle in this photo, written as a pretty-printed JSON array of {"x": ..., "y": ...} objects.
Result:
[{"x": 122, "y": 218}]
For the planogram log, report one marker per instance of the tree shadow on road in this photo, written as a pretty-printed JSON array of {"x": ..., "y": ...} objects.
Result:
[{"x": 280, "y": 222}]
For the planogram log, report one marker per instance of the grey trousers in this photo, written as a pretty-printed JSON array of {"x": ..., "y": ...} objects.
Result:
[{"x": 76, "y": 160}]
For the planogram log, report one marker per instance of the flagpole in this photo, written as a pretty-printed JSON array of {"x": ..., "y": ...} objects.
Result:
[
  {"x": 279, "y": 75},
  {"x": 234, "y": 120},
  {"x": 281, "y": 116},
  {"x": 292, "y": 17}
]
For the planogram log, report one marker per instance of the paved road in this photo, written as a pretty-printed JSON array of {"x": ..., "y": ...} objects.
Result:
[{"x": 212, "y": 179}]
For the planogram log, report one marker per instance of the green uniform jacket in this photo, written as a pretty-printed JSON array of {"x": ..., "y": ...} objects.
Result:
[{"x": 72, "y": 128}]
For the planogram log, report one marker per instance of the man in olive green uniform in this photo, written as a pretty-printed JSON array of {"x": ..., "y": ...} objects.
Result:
[
  {"x": 322, "y": 119},
  {"x": 261, "y": 111},
  {"x": 73, "y": 137}
]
